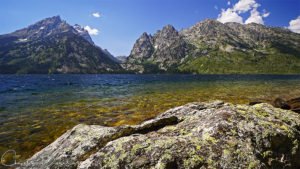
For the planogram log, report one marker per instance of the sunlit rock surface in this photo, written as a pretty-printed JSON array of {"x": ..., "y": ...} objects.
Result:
[{"x": 196, "y": 135}]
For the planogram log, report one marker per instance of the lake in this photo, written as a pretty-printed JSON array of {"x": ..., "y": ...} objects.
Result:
[{"x": 36, "y": 109}]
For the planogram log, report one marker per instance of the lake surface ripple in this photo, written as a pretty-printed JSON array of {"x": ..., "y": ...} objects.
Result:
[{"x": 36, "y": 109}]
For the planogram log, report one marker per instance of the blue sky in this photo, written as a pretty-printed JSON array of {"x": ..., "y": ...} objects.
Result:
[{"x": 123, "y": 21}]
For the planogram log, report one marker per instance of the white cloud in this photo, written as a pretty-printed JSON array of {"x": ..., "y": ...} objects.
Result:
[
  {"x": 245, "y": 5},
  {"x": 216, "y": 7},
  {"x": 96, "y": 15},
  {"x": 266, "y": 14},
  {"x": 295, "y": 25},
  {"x": 229, "y": 16},
  {"x": 255, "y": 17},
  {"x": 92, "y": 31}
]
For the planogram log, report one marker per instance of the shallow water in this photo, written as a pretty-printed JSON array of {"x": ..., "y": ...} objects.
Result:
[{"x": 36, "y": 109}]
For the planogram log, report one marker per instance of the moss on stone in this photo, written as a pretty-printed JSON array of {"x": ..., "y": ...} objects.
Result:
[{"x": 205, "y": 137}]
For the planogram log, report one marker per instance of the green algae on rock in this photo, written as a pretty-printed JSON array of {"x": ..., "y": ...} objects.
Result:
[{"x": 196, "y": 135}]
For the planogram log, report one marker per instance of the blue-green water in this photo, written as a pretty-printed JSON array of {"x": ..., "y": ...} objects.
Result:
[{"x": 36, "y": 109}]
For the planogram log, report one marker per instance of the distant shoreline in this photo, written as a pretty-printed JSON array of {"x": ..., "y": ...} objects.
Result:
[{"x": 126, "y": 73}]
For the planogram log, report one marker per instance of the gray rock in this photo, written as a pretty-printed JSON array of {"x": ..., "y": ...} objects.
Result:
[
  {"x": 84, "y": 140},
  {"x": 165, "y": 49},
  {"x": 196, "y": 135},
  {"x": 121, "y": 59},
  {"x": 142, "y": 49}
]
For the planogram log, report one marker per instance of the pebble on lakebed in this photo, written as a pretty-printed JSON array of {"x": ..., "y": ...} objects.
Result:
[{"x": 196, "y": 135}]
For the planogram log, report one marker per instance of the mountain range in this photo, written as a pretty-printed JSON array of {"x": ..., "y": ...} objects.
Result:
[
  {"x": 53, "y": 46},
  {"x": 209, "y": 47}
]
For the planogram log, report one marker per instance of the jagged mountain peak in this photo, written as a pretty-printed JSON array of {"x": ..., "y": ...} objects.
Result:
[
  {"x": 203, "y": 47},
  {"x": 52, "y": 45},
  {"x": 168, "y": 28},
  {"x": 164, "y": 48},
  {"x": 167, "y": 31},
  {"x": 144, "y": 39},
  {"x": 209, "y": 21},
  {"x": 142, "y": 48},
  {"x": 51, "y": 22},
  {"x": 84, "y": 33},
  {"x": 53, "y": 19},
  {"x": 49, "y": 27},
  {"x": 208, "y": 30},
  {"x": 145, "y": 35},
  {"x": 79, "y": 27},
  {"x": 43, "y": 28}
]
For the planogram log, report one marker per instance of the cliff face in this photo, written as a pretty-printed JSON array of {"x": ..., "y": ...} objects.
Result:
[
  {"x": 212, "y": 47},
  {"x": 142, "y": 49},
  {"x": 196, "y": 135},
  {"x": 159, "y": 52}
]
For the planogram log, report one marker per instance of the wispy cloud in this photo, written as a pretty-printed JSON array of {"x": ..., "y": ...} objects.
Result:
[
  {"x": 265, "y": 13},
  {"x": 295, "y": 25},
  {"x": 91, "y": 31},
  {"x": 96, "y": 14}
]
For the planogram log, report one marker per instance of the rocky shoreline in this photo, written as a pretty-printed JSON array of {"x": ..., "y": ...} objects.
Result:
[{"x": 195, "y": 135}]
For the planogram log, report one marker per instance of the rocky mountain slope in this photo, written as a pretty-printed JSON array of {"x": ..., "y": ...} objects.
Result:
[
  {"x": 162, "y": 50},
  {"x": 196, "y": 135},
  {"x": 121, "y": 59},
  {"x": 53, "y": 46},
  {"x": 213, "y": 47}
]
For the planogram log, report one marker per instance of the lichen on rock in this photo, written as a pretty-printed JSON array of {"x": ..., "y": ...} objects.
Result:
[{"x": 196, "y": 135}]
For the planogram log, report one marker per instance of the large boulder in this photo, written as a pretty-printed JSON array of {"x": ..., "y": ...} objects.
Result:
[{"x": 196, "y": 135}]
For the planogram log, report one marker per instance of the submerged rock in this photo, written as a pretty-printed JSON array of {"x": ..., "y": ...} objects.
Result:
[
  {"x": 295, "y": 104},
  {"x": 281, "y": 103},
  {"x": 196, "y": 135},
  {"x": 292, "y": 104}
]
